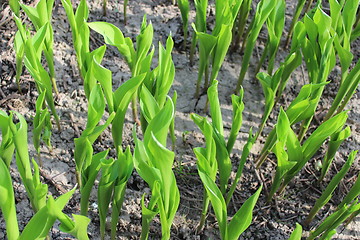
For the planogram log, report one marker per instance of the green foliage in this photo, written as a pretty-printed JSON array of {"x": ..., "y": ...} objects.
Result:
[
  {"x": 263, "y": 10},
  {"x": 296, "y": 234},
  {"x": 354, "y": 192},
  {"x": 206, "y": 45},
  {"x": 218, "y": 149},
  {"x": 292, "y": 160},
  {"x": 157, "y": 82},
  {"x": 241, "y": 22},
  {"x": 88, "y": 177},
  {"x": 327, "y": 193},
  {"x": 42, "y": 125},
  {"x": 80, "y": 32},
  {"x": 36, "y": 191},
  {"x": 200, "y": 25},
  {"x": 114, "y": 176},
  {"x": 83, "y": 144},
  {"x": 33, "y": 47},
  {"x": 135, "y": 58},
  {"x": 346, "y": 91},
  {"x": 7, "y": 202},
  {"x": 275, "y": 26},
  {"x": 319, "y": 38},
  {"x": 206, "y": 160},
  {"x": 122, "y": 98},
  {"x": 154, "y": 163},
  {"x": 40, "y": 15},
  {"x": 213, "y": 48},
  {"x": 241, "y": 220},
  {"x": 299, "y": 7},
  {"x": 124, "y": 169},
  {"x": 52, "y": 212},
  {"x": 319, "y": 53},
  {"x": 317, "y": 47},
  {"x": 47, "y": 210},
  {"x": 19, "y": 57},
  {"x": 328, "y": 227},
  {"x": 343, "y": 16},
  {"x": 300, "y": 108},
  {"x": 7, "y": 146},
  {"x": 139, "y": 59},
  {"x": 335, "y": 141},
  {"x": 15, "y": 7}
]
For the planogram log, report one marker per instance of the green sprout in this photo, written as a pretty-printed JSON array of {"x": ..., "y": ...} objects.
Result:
[
  {"x": 275, "y": 26},
  {"x": 154, "y": 163},
  {"x": 40, "y": 15},
  {"x": 184, "y": 9},
  {"x": 33, "y": 47},
  {"x": 200, "y": 25},
  {"x": 327, "y": 193},
  {"x": 239, "y": 29},
  {"x": 335, "y": 141},
  {"x": 290, "y": 162},
  {"x": 263, "y": 10}
]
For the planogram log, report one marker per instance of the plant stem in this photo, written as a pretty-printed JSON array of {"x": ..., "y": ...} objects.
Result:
[
  {"x": 206, "y": 76},
  {"x": 125, "y": 11},
  {"x": 40, "y": 161},
  {"x": 242, "y": 17},
  {"x": 206, "y": 84},
  {"x": 19, "y": 66},
  {"x": 262, "y": 59},
  {"x": 296, "y": 16},
  {"x": 116, "y": 210},
  {"x": 197, "y": 92},
  {"x": 244, "y": 156},
  {"x": 185, "y": 36},
  {"x": 192, "y": 49},
  {"x": 246, "y": 37},
  {"x": 352, "y": 216},
  {"x": 205, "y": 208},
  {"x": 261, "y": 128},
  {"x": 84, "y": 204},
  {"x": 49, "y": 56},
  {"x": 57, "y": 120},
  {"x": 53, "y": 81},
  {"x": 134, "y": 109},
  {"x": 308, "y": 5},
  {"x": 104, "y": 7},
  {"x": 143, "y": 123},
  {"x": 78, "y": 179},
  {"x": 269, "y": 144},
  {"x": 304, "y": 127}
]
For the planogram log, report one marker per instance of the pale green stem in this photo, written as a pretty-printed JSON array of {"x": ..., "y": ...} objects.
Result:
[
  {"x": 104, "y": 7},
  {"x": 192, "y": 49},
  {"x": 262, "y": 59},
  {"x": 206, "y": 202}
]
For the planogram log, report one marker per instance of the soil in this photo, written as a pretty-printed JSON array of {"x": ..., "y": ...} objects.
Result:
[{"x": 271, "y": 221}]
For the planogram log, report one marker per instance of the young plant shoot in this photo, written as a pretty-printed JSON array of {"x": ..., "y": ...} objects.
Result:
[
  {"x": 154, "y": 163},
  {"x": 41, "y": 15},
  {"x": 263, "y": 10},
  {"x": 33, "y": 47},
  {"x": 327, "y": 193},
  {"x": 184, "y": 9}
]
